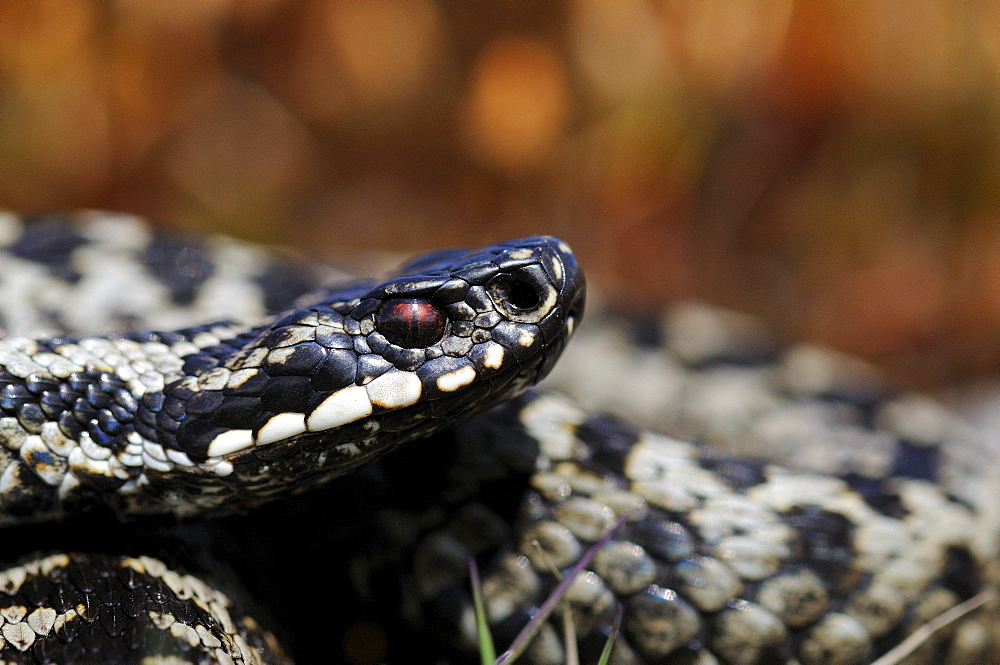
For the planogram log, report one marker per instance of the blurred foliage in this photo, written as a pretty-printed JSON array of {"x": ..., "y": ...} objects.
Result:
[{"x": 832, "y": 165}]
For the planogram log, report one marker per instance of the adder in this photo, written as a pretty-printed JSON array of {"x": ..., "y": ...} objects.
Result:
[{"x": 169, "y": 403}]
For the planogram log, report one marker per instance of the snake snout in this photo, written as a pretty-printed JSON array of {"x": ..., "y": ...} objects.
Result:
[
  {"x": 540, "y": 291},
  {"x": 574, "y": 287}
]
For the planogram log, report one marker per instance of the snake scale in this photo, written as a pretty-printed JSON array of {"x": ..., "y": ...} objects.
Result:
[{"x": 166, "y": 403}]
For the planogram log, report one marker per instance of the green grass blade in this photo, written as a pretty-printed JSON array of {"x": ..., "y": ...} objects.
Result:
[
  {"x": 487, "y": 650},
  {"x": 612, "y": 636}
]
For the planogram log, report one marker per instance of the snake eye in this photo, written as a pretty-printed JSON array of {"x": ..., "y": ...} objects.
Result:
[{"x": 410, "y": 323}]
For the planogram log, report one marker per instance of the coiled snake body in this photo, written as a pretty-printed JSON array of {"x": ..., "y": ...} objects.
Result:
[{"x": 114, "y": 433}]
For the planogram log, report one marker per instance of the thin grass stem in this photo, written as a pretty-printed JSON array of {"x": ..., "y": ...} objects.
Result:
[{"x": 529, "y": 631}]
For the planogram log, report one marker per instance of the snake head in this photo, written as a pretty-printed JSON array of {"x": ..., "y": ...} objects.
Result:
[{"x": 362, "y": 368}]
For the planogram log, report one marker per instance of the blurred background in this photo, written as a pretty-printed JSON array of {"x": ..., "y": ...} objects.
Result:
[{"x": 831, "y": 166}]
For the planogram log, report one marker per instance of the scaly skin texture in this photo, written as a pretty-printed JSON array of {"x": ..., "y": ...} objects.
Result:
[
  {"x": 222, "y": 417},
  {"x": 217, "y": 418},
  {"x": 79, "y": 609},
  {"x": 723, "y": 559}
]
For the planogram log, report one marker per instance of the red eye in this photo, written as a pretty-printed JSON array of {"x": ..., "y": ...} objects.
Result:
[{"x": 410, "y": 323}]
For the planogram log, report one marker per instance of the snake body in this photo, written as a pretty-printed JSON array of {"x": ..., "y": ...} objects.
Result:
[{"x": 721, "y": 559}]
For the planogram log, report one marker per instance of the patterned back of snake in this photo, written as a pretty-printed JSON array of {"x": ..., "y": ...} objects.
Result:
[{"x": 786, "y": 508}]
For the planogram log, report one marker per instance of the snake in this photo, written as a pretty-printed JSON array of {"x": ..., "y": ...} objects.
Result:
[{"x": 215, "y": 453}]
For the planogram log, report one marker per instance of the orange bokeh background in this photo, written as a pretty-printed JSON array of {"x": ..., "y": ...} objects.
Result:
[{"x": 833, "y": 166}]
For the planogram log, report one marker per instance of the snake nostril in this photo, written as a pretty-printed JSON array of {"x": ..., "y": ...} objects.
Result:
[{"x": 518, "y": 294}]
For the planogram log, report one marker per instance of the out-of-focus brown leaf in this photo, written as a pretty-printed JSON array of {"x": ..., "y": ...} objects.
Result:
[{"x": 515, "y": 110}]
